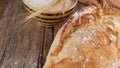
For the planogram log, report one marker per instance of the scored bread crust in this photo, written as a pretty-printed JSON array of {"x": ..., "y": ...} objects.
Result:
[
  {"x": 109, "y": 6},
  {"x": 89, "y": 39}
]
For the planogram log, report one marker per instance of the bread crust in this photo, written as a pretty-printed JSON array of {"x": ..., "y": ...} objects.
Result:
[
  {"x": 109, "y": 6},
  {"x": 89, "y": 39}
]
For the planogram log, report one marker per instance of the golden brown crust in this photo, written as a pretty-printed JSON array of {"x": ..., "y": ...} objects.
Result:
[
  {"x": 72, "y": 22},
  {"x": 109, "y": 6},
  {"x": 89, "y": 39}
]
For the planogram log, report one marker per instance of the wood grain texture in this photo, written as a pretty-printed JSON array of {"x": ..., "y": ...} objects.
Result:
[{"x": 23, "y": 44}]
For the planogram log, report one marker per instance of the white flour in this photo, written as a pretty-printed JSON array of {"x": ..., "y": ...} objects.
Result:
[{"x": 38, "y": 4}]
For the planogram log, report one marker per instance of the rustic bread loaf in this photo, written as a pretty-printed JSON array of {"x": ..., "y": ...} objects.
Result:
[
  {"x": 89, "y": 39},
  {"x": 109, "y": 6}
]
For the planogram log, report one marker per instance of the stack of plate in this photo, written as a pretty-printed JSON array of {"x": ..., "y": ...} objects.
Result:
[{"x": 51, "y": 18}]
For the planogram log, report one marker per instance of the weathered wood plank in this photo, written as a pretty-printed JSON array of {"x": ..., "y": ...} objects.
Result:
[
  {"x": 21, "y": 42},
  {"x": 20, "y": 47},
  {"x": 48, "y": 38}
]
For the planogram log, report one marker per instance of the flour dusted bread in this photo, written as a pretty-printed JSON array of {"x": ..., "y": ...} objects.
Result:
[
  {"x": 109, "y": 6},
  {"x": 89, "y": 39}
]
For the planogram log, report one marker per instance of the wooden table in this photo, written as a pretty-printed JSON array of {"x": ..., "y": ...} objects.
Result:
[{"x": 23, "y": 44}]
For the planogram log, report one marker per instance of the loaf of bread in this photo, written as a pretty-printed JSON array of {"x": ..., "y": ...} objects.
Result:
[
  {"x": 109, "y": 6},
  {"x": 89, "y": 39}
]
